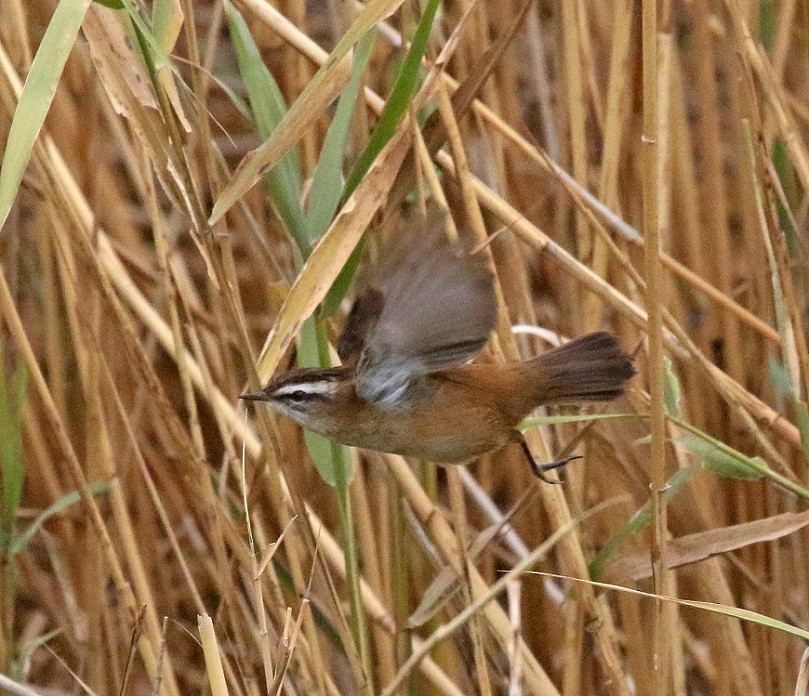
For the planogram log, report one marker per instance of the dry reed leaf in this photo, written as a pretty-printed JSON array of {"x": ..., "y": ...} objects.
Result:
[
  {"x": 319, "y": 92},
  {"x": 112, "y": 54},
  {"x": 128, "y": 87},
  {"x": 746, "y": 615},
  {"x": 332, "y": 251},
  {"x": 703, "y": 545}
]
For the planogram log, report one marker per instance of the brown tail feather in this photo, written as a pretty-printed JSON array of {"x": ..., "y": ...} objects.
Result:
[{"x": 590, "y": 368}]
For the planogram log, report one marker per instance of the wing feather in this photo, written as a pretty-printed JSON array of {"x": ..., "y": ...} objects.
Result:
[{"x": 431, "y": 306}]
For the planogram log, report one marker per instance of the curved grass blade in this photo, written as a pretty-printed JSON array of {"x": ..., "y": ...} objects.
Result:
[
  {"x": 737, "y": 466},
  {"x": 268, "y": 107},
  {"x": 395, "y": 108},
  {"x": 307, "y": 108},
  {"x": 786, "y": 330},
  {"x": 37, "y": 95},
  {"x": 752, "y": 464},
  {"x": 327, "y": 188},
  {"x": 721, "y": 609},
  {"x": 700, "y": 546},
  {"x": 638, "y": 522},
  {"x": 20, "y": 542}
]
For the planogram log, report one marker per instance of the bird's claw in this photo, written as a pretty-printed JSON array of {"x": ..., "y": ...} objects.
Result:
[{"x": 539, "y": 470}]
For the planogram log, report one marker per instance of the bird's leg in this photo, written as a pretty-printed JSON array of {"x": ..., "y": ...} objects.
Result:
[{"x": 539, "y": 470}]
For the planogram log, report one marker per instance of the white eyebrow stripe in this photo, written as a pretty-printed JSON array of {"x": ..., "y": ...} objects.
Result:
[{"x": 323, "y": 387}]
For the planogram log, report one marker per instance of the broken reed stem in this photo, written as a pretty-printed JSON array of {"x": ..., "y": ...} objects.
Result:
[
  {"x": 213, "y": 659},
  {"x": 654, "y": 306}
]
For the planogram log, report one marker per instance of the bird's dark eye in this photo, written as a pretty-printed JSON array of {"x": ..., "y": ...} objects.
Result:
[{"x": 298, "y": 395}]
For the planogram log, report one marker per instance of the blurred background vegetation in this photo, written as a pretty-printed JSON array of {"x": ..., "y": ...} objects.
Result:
[{"x": 629, "y": 166}]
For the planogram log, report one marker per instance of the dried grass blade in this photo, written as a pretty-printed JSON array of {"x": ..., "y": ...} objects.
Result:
[
  {"x": 721, "y": 609},
  {"x": 316, "y": 96},
  {"x": 703, "y": 545},
  {"x": 332, "y": 251},
  {"x": 482, "y": 600},
  {"x": 268, "y": 107}
]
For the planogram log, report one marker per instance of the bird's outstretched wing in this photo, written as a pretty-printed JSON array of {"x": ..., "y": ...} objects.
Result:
[{"x": 428, "y": 306}]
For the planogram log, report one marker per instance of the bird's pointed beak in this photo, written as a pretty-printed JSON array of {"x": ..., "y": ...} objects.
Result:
[{"x": 254, "y": 396}]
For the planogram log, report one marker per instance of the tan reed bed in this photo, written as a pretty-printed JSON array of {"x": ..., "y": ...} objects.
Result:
[{"x": 629, "y": 166}]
